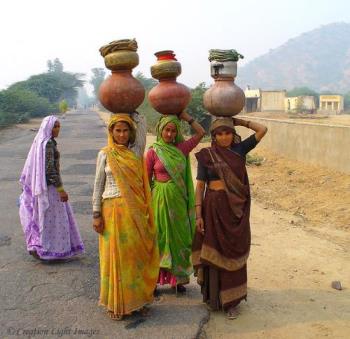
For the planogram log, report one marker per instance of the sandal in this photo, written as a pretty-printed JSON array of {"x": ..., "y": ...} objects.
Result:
[{"x": 114, "y": 316}]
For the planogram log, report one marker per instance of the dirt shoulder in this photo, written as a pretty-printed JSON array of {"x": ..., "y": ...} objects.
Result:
[{"x": 300, "y": 224}]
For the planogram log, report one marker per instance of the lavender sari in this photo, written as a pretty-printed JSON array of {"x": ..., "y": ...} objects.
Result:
[{"x": 49, "y": 225}]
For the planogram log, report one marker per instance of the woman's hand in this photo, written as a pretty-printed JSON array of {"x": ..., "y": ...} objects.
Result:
[
  {"x": 200, "y": 225},
  {"x": 260, "y": 130},
  {"x": 98, "y": 225},
  {"x": 63, "y": 196},
  {"x": 199, "y": 130}
]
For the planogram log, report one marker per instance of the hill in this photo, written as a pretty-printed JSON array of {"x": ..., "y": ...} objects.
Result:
[{"x": 319, "y": 59}]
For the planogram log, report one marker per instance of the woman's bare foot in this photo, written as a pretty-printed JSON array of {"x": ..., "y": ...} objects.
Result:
[
  {"x": 232, "y": 313},
  {"x": 144, "y": 311},
  {"x": 180, "y": 288},
  {"x": 114, "y": 316},
  {"x": 34, "y": 254}
]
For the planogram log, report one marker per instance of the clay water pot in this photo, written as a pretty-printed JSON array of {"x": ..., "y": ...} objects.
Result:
[
  {"x": 169, "y": 96},
  {"x": 121, "y": 92},
  {"x": 224, "y": 98},
  {"x": 166, "y": 67}
]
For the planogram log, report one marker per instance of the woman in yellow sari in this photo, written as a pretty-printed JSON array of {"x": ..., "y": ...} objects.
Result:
[{"x": 129, "y": 259}]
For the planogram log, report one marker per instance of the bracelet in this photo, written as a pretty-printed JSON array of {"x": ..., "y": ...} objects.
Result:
[
  {"x": 199, "y": 218},
  {"x": 197, "y": 205},
  {"x": 96, "y": 215},
  {"x": 191, "y": 121}
]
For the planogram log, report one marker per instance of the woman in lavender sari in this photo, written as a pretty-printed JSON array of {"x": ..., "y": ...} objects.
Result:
[{"x": 46, "y": 215}]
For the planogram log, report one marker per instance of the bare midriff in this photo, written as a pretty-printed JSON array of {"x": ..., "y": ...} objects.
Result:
[{"x": 216, "y": 185}]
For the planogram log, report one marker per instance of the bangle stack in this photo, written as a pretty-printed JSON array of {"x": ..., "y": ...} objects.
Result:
[{"x": 96, "y": 215}]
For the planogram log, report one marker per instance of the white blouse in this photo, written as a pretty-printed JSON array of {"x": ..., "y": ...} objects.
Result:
[{"x": 105, "y": 186}]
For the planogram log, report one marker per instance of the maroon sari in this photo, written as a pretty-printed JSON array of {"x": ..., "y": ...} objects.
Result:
[{"x": 220, "y": 255}]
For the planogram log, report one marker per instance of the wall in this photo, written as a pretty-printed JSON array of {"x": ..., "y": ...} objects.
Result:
[
  {"x": 308, "y": 103},
  {"x": 323, "y": 145},
  {"x": 272, "y": 100}
]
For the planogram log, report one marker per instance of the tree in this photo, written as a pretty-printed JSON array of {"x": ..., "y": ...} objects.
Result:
[
  {"x": 55, "y": 65},
  {"x": 196, "y": 109},
  {"x": 83, "y": 99},
  {"x": 55, "y": 86},
  {"x": 304, "y": 91},
  {"x": 347, "y": 100},
  {"x": 299, "y": 108},
  {"x": 98, "y": 75},
  {"x": 148, "y": 83}
]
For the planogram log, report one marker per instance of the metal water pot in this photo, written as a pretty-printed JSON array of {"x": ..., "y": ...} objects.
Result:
[{"x": 223, "y": 69}]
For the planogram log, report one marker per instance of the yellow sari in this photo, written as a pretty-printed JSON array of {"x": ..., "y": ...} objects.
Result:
[{"x": 129, "y": 258}]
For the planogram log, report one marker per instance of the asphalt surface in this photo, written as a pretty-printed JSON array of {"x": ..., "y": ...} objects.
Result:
[{"x": 49, "y": 300}]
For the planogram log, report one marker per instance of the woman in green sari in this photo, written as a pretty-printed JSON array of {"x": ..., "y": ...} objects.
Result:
[{"x": 169, "y": 171}]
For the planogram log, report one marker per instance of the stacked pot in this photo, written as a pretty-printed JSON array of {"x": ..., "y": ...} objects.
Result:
[
  {"x": 169, "y": 96},
  {"x": 121, "y": 92},
  {"x": 224, "y": 98}
]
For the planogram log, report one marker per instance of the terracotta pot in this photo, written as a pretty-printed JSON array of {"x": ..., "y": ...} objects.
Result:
[
  {"x": 121, "y": 92},
  {"x": 121, "y": 60},
  {"x": 224, "y": 98},
  {"x": 169, "y": 97}
]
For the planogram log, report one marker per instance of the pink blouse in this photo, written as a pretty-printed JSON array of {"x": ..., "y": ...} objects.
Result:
[{"x": 155, "y": 166}]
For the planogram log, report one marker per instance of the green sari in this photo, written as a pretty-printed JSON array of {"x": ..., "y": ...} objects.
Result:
[{"x": 173, "y": 205}]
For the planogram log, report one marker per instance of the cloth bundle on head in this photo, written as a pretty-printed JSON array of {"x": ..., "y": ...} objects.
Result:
[
  {"x": 33, "y": 178},
  {"x": 227, "y": 123},
  {"x": 115, "y": 118}
]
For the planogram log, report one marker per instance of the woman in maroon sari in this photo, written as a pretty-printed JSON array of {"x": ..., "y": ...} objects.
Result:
[{"x": 222, "y": 240}]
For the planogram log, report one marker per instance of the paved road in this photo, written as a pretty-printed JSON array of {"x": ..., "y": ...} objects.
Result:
[{"x": 60, "y": 300}]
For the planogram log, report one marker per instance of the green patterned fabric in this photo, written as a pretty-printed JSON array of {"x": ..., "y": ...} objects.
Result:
[{"x": 173, "y": 204}]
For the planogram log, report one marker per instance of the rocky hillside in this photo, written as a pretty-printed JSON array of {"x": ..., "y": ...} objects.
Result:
[{"x": 319, "y": 59}]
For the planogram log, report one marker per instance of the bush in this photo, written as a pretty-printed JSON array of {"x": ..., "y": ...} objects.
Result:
[
  {"x": 63, "y": 106},
  {"x": 253, "y": 159},
  {"x": 21, "y": 102}
]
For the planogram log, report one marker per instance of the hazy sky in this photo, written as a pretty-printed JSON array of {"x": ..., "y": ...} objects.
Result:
[{"x": 73, "y": 30}]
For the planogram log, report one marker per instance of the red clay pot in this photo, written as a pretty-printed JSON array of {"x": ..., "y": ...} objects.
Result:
[
  {"x": 121, "y": 92},
  {"x": 224, "y": 98},
  {"x": 169, "y": 97}
]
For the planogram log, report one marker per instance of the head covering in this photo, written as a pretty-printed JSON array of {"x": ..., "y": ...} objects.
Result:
[
  {"x": 130, "y": 176},
  {"x": 33, "y": 175},
  {"x": 226, "y": 122},
  {"x": 121, "y": 118},
  {"x": 163, "y": 121},
  {"x": 34, "y": 198}
]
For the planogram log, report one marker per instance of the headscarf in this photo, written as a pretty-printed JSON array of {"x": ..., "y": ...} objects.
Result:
[
  {"x": 34, "y": 199},
  {"x": 121, "y": 118},
  {"x": 129, "y": 173},
  {"x": 175, "y": 162},
  {"x": 227, "y": 123}
]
